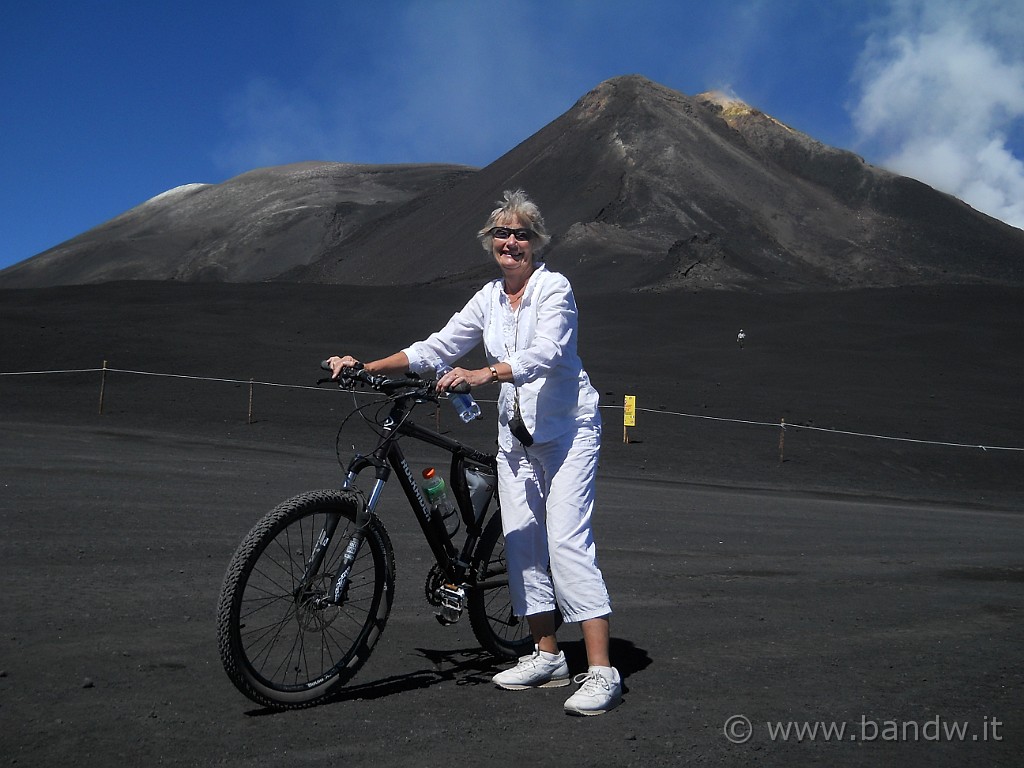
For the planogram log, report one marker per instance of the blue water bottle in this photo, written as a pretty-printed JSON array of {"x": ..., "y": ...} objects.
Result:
[{"x": 464, "y": 404}]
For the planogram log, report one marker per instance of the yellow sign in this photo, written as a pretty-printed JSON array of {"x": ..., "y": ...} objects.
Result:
[{"x": 629, "y": 415}]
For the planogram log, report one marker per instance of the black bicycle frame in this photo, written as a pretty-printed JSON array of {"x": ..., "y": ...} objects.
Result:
[{"x": 388, "y": 457}]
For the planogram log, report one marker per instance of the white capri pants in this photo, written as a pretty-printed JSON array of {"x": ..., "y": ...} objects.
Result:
[{"x": 547, "y": 500}]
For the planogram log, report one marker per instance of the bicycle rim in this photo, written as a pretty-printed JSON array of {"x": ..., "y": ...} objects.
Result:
[{"x": 282, "y": 643}]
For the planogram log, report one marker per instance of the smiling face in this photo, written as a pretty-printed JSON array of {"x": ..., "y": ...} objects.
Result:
[{"x": 514, "y": 257}]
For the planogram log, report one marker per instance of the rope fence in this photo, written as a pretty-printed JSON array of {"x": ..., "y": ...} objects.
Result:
[{"x": 629, "y": 408}]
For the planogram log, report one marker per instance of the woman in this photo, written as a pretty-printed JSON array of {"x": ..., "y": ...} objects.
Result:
[{"x": 549, "y": 434}]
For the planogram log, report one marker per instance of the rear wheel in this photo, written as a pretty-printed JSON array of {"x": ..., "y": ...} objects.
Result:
[
  {"x": 282, "y": 643},
  {"x": 494, "y": 623}
]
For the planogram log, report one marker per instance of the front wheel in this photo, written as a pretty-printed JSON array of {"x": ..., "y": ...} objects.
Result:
[
  {"x": 283, "y": 642},
  {"x": 491, "y": 616}
]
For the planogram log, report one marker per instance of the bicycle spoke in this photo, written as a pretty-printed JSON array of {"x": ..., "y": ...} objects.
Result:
[{"x": 300, "y": 637}]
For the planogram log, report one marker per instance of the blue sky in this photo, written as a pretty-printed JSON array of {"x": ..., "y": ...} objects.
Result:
[{"x": 104, "y": 105}]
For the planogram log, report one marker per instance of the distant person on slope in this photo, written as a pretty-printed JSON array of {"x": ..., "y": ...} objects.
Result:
[{"x": 549, "y": 436}]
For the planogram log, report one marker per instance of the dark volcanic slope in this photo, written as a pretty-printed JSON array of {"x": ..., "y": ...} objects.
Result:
[
  {"x": 247, "y": 229},
  {"x": 644, "y": 187}
]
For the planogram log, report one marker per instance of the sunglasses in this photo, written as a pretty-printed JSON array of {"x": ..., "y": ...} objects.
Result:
[{"x": 504, "y": 233}]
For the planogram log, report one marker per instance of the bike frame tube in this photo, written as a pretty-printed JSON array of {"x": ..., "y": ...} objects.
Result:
[
  {"x": 387, "y": 457},
  {"x": 388, "y": 454},
  {"x": 461, "y": 455},
  {"x": 433, "y": 530}
]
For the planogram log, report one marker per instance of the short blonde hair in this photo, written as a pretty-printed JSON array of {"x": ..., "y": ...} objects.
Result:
[{"x": 516, "y": 204}]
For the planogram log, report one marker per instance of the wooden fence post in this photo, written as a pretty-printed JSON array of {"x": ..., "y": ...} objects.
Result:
[{"x": 103, "y": 385}]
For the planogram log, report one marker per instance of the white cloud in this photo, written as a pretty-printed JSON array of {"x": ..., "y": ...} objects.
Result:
[
  {"x": 470, "y": 82},
  {"x": 443, "y": 82},
  {"x": 269, "y": 124},
  {"x": 942, "y": 94}
]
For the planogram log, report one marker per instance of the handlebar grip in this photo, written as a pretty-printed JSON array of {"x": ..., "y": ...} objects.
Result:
[
  {"x": 462, "y": 388},
  {"x": 326, "y": 365}
]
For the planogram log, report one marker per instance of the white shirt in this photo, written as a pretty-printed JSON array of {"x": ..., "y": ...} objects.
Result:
[{"x": 538, "y": 341}]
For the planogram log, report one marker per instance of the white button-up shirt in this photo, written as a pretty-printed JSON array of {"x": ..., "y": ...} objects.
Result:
[{"x": 538, "y": 341}]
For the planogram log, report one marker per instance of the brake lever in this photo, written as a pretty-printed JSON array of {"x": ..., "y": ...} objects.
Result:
[{"x": 377, "y": 382}]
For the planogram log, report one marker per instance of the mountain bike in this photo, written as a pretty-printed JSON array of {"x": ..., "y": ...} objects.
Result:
[{"x": 309, "y": 590}]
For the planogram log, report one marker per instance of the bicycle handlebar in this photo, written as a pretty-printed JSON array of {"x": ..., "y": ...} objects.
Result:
[{"x": 387, "y": 384}]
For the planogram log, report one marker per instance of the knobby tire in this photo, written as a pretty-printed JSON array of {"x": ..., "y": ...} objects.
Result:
[{"x": 280, "y": 644}]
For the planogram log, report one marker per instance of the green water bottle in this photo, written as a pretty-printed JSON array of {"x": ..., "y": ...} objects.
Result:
[{"x": 437, "y": 497}]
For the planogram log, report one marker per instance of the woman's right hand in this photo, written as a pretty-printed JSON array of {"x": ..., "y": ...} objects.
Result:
[{"x": 339, "y": 363}]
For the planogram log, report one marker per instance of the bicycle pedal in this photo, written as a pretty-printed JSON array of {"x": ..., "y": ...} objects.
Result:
[{"x": 453, "y": 602}]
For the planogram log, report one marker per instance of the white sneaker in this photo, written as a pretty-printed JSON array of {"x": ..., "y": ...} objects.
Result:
[
  {"x": 538, "y": 670},
  {"x": 600, "y": 691}
]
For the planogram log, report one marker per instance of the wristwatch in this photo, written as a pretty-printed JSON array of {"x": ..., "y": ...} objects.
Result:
[{"x": 494, "y": 373}]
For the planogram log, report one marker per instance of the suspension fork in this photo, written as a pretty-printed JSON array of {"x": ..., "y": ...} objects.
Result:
[
  {"x": 339, "y": 587},
  {"x": 339, "y": 590}
]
